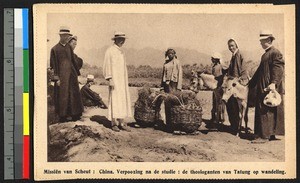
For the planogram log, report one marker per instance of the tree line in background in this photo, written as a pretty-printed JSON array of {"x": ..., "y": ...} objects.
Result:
[
  {"x": 143, "y": 71},
  {"x": 146, "y": 71}
]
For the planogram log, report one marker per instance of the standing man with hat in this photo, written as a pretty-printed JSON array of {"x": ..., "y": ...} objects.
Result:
[
  {"x": 268, "y": 77},
  {"x": 115, "y": 71},
  {"x": 67, "y": 96}
]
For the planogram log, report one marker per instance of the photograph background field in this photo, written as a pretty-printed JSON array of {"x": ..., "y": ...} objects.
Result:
[{"x": 145, "y": 75}]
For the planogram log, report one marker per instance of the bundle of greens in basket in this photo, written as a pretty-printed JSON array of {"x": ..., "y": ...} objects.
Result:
[
  {"x": 147, "y": 106},
  {"x": 185, "y": 113}
]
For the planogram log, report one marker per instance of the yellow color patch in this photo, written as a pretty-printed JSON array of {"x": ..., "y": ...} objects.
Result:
[{"x": 25, "y": 113}]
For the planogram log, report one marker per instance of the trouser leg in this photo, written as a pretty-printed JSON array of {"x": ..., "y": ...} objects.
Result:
[
  {"x": 233, "y": 113},
  {"x": 168, "y": 106},
  {"x": 213, "y": 110},
  {"x": 173, "y": 86},
  {"x": 166, "y": 88}
]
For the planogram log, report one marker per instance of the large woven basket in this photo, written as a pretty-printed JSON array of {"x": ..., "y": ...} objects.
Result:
[
  {"x": 185, "y": 118},
  {"x": 146, "y": 116}
]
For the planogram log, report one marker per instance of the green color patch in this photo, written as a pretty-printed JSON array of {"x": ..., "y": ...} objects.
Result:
[{"x": 26, "y": 71}]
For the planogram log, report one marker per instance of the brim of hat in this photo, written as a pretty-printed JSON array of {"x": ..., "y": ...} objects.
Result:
[
  {"x": 119, "y": 37},
  {"x": 265, "y": 37},
  {"x": 61, "y": 33}
]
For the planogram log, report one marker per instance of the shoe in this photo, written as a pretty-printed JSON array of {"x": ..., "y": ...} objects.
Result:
[
  {"x": 115, "y": 128},
  {"x": 137, "y": 126},
  {"x": 195, "y": 133},
  {"x": 125, "y": 128},
  {"x": 103, "y": 106},
  {"x": 272, "y": 137},
  {"x": 176, "y": 132}
]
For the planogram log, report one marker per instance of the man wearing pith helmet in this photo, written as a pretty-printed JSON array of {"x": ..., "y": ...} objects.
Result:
[
  {"x": 67, "y": 96},
  {"x": 115, "y": 71},
  {"x": 268, "y": 77}
]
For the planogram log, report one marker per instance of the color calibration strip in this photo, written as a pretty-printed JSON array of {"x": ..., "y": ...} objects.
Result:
[
  {"x": 16, "y": 79},
  {"x": 26, "y": 139}
]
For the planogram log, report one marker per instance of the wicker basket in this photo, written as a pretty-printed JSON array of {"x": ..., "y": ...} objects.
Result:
[
  {"x": 146, "y": 116},
  {"x": 185, "y": 118}
]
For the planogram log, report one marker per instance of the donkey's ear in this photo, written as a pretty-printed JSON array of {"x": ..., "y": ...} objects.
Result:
[{"x": 233, "y": 84}]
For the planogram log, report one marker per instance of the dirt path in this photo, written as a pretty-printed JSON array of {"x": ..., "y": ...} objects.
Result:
[{"x": 91, "y": 139}]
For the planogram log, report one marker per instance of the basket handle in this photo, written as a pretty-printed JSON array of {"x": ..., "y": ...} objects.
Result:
[
  {"x": 181, "y": 99},
  {"x": 156, "y": 98},
  {"x": 181, "y": 102}
]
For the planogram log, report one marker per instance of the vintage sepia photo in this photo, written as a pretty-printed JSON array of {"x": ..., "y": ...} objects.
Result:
[{"x": 182, "y": 91}]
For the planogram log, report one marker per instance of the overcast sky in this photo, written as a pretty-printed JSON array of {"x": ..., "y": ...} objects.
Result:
[{"x": 205, "y": 33}]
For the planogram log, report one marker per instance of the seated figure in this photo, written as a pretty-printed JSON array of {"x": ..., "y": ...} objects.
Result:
[{"x": 89, "y": 97}]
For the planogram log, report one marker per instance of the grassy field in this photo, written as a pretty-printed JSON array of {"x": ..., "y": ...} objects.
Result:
[{"x": 137, "y": 82}]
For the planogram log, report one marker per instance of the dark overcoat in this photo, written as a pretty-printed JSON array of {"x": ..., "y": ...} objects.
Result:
[
  {"x": 78, "y": 61},
  {"x": 268, "y": 120},
  {"x": 67, "y": 96},
  {"x": 89, "y": 97}
]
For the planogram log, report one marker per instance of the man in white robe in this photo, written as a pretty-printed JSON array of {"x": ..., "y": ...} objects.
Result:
[{"x": 115, "y": 71}]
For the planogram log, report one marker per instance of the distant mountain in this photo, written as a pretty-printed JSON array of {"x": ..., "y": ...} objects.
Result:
[
  {"x": 146, "y": 56},
  {"x": 155, "y": 57}
]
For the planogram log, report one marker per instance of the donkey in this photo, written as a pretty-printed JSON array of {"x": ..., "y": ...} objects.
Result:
[
  {"x": 233, "y": 87},
  {"x": 200, "y": 79}
]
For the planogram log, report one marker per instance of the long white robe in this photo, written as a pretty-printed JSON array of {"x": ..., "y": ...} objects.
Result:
[{"x": 119, "y": 98}]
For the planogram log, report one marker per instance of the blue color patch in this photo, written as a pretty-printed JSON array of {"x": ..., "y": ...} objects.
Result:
[{"x": 25, "y": 28}]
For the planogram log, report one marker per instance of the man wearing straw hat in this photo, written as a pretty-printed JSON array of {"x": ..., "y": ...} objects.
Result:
[
  {"x": 268, "y": 77},
  {"x": 115, "y": 71},
  {"x": 67, "y": 96}
]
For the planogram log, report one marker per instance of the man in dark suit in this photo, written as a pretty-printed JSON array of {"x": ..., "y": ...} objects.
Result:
[
  {"x": 67, "y": 96},
  {"x": 268, "y": 77}
]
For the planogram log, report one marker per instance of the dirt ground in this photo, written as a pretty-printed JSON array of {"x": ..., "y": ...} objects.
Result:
[{"x": 91, "y": 139}]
